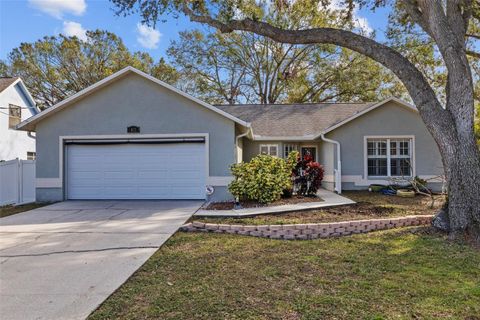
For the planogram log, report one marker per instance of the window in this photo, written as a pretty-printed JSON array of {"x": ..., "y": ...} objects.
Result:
[
  {"x": 31, "y": 155},
  {"x": 14, "y": 115},
  {"x": 270, "y": 149},
  {"x": 287, "y": 148},
  {"x": 389, "y": 157}
]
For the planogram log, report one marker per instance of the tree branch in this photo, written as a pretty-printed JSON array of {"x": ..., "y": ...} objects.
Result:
[
  {"x": 435, "y": 117},
  {"x": 470, "y": 35},
  {"x": 473, "y": 54}
]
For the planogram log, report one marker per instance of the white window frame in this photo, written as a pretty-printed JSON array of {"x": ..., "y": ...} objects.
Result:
[
  {"x": 291, "y": 147},
  {"x": 31, "y": 155},
  {"x": 388, "y": 157},
  {"x": 269, "y": 148}
]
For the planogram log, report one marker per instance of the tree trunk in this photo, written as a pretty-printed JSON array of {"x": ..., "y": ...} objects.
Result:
[{"x": 462, "y": 169}]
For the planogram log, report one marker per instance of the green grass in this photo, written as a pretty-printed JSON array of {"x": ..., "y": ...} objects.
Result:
[
  {"x": 369, "y": 205},
  {"x": 9, "y": 210},
  {"x": 397, "y": 274}
]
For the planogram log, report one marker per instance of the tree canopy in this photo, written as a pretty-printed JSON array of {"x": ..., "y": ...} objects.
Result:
[
  {"x": 54, "y": 68},
  {"x": 242, "y": 67}
]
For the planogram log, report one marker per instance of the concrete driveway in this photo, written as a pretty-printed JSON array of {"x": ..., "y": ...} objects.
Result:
[{"x": 61, "y": 261}]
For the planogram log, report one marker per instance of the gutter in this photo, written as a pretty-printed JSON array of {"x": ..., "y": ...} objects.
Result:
[
  {"x": 29, "y": 134},
  {"x": 338, "y": 171},
  {"x": 237, "y": 139}
]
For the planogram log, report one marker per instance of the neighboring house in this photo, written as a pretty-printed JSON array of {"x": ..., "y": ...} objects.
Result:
[
  {"x": 131, "y": 136},
  {"x": 16, "y": 105}
]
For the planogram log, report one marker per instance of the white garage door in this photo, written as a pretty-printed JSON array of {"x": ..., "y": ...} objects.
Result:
[{"x": 136, "y": 171}]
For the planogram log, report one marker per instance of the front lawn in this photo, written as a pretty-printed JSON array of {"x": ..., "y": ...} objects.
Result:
[
  {"x": 369, "y": 206},
  {"x": 412, "y": 273},
  {"x": 9, "y": 210}
]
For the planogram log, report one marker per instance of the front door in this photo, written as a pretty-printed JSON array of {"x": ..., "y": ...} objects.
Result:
[{"x": 312, "y": 151}]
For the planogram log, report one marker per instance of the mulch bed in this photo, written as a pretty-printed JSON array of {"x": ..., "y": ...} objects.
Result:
[
  {"x": 228, "y": 205},
  {"x": 360, "y": 208}
]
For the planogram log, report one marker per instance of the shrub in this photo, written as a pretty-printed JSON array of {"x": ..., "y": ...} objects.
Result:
[
  {"x": 263, "y": 179},
  {"x": 308, "y": 176}
]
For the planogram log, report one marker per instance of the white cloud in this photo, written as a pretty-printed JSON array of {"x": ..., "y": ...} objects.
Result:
[
  {"x": 362, "y": 24},
  {"x": 57, "y": 8},
  {"x": 358, "y": 21},
  {"x": 71, "y": 29},
  {"x": 147, "y": 36}
]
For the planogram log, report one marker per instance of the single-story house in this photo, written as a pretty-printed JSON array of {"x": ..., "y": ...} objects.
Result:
[{"x": 131, "y": 136}]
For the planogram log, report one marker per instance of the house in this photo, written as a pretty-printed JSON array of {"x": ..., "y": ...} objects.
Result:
[
  {"x": 131, "y": 136},
  {"x": 16, "y": 105}
]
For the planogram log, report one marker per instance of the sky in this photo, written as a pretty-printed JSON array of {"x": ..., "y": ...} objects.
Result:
[{"x": 30, "y": 20}]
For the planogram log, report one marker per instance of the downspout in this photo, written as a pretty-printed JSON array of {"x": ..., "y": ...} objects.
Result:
[
  {"x": 29, "y": 134},
  {"x": 237, "y": 139},
  {"x": 338, "y": 171}
]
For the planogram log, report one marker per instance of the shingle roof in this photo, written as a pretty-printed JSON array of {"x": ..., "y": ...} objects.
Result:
[
  {"x": 294, "y": 120},
  {"x": 6, "y": 82}
]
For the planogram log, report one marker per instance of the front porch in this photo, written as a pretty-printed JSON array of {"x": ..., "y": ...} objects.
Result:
[{"x": 323, "y": 150}]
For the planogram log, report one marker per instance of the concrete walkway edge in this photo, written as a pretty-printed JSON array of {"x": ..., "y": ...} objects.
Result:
[{"x": 330, "y": 199}]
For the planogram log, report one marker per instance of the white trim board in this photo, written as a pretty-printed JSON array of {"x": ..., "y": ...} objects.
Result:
[
  {"x": 359, "y": 181},
  {"x": 29, "y": 123}
]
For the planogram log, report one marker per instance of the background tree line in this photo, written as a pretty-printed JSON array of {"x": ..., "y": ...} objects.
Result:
[{"x": 239, "y": 67}]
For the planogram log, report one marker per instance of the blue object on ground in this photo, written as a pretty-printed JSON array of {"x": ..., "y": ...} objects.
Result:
[{"x": 388, "y": 192}]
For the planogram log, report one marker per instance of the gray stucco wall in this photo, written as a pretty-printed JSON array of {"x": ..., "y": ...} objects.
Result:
[
  {"x": 132, "y": 100},
  {"x": 388, "y": 120}
]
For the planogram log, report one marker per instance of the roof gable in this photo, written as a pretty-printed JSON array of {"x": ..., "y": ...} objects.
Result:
[
  {"x": 302, "y": 121},
  {"x": 17, "y": 84},
  {"x": 400, "y": 102},
  {"x": 30, "y": 123},
  {"x": 7, "y": 82}
]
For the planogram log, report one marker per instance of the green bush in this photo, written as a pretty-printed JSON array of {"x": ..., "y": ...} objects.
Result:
[{"x": 263, "y": 179}]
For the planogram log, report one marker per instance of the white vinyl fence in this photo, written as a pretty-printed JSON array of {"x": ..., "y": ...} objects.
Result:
[{"x": 17, "y": 182}]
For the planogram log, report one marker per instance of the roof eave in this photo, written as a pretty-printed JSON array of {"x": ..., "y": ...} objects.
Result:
[{"x": 257, "y": 137}]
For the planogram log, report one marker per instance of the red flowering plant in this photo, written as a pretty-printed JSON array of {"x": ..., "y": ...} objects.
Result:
[{"x": 307, "y": 176}]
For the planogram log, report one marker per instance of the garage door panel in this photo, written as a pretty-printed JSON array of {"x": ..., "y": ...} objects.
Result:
[
  {"x": 136, "y": 171},
  {"x": 156, "y": 174},
  {"x": 118, "y": 174},
  {"x": 80, "y": 191},
  {"x": 83, "y": 175},
  {"x": 116, "y": 192}
]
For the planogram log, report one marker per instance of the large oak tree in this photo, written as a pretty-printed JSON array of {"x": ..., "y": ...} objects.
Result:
[
  {"x": 243, "y": 67},
  {"x": 448, "y": 24}
]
